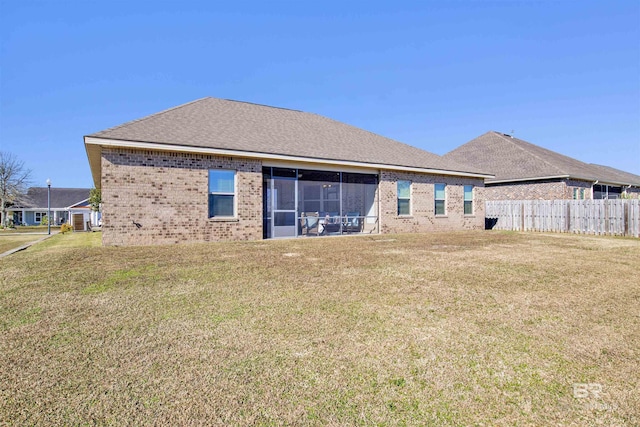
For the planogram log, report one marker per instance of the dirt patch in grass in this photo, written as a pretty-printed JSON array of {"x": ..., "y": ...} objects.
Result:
[{"x": 447, "y": 329}]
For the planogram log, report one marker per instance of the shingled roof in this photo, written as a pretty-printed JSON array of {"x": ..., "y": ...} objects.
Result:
[
  {"x": 212, "y": 123},
  {"x": 512, "y": 159},
  {"x": 61, "y": 198},
  {"x": 617, "y": 174}
]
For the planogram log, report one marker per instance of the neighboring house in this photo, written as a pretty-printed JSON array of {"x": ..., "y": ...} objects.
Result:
[
  {"x": 68, "y": 205},
  {"x": 216, "y": 169},
  {"x": 524, "y": 171}
]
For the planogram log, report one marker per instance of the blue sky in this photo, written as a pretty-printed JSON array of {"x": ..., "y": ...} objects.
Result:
[{"x": 562, "y": 74}]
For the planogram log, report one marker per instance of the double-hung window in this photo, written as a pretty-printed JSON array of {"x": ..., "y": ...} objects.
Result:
[
  {"x": 404, "y": 197},
  {"x": 222, "y": 193},
  {"x": 468, "y": 199},
  {"x": 440, "y": 199},
  {"x": 39, "y": 216}
]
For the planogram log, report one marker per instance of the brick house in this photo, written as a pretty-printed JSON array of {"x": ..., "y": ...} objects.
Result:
[
  {"x": 524, "y": 171},
  {"x": 215, "y": 169}
]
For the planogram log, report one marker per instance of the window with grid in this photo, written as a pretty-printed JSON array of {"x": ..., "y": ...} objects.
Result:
[
  {"x": 468, "y": 199},
  {"x": 404, "y": 197},
  {"x": 222, "y": 193},
  {"x": 440, "y": 199}
]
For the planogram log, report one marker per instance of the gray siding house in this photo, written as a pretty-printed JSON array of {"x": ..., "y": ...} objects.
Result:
[
  {"x": 67, "y": 205},
  {"x": 524, "y": 171},
  {"x": 216, "y": 169}
]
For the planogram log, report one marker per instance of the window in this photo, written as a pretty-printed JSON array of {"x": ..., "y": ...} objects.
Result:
[
  {"x": 40, "y": 216},
  {"x": 222, "y": 192},
  {"x": 404, "y": 197},
  {"x": 468, "y": 199},
  {"x": 440, "y": 198}
]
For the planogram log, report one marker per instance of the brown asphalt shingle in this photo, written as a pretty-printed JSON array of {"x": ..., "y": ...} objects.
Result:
[
  {"x": 242, "y": 126},
  {"x": 510, "y": 158}
]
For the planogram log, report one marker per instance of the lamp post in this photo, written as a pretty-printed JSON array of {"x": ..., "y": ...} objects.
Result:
[{"x": 48, "y": 206}]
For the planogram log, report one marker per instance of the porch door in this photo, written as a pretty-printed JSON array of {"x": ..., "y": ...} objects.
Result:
[{"x": 284, "y": 199}]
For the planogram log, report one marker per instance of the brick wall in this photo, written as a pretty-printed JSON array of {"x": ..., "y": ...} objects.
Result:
[
  {"x": 167, "y": 194},
  {"x": 580, "y": 186},
  {"x": 423, "y": 218},
  {"x": 547, "y": 190},
  {"x": 537, "y": 190}
]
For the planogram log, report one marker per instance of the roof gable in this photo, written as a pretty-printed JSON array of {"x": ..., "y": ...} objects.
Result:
[{"x": 213, "y": 123}]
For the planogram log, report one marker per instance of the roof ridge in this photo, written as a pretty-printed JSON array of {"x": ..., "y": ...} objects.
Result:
[
  {"x": 502, "y": 135},
  {"x": 255, "y": 103},
  {"x": 154, "y": 114}
]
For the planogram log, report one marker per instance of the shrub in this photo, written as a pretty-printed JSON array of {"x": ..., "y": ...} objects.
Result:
[{"x": 65, "y": 227}]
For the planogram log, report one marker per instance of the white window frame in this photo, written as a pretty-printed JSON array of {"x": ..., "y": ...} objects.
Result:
[
  {"x": 404, "y": 198},
  {"x": 36, "y": 219},
  {"x": 223, "y": 193},
  {"x": 435, "y": 199},
  {"x": 464, "y": 200}
]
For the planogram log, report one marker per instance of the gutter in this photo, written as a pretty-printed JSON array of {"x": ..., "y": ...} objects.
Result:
[
  {"x": 542, "y": 178},
  {"x": 537, "y": 178},
  {"x": 93, "y": 141}
]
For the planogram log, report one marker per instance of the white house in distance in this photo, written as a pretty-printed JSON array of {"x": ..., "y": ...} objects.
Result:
[{"x": 68, "y": 205}]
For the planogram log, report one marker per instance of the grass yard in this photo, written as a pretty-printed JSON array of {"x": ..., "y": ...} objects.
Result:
[
  {"x": 10, "y": 241},
  {"x": 28, "y": 229},
  {"x": 475, "y": 328}
]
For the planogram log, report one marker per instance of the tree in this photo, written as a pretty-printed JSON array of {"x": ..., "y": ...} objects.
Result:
[
  {"x": 14, "y": 179},
  {"x": 95, "y": 199}
]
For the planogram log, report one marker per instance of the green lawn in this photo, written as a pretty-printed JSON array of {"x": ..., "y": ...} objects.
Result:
[{"x": 475, "y": 328}]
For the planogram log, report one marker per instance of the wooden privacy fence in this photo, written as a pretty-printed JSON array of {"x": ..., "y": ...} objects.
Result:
[{"x": 620, "y": 217}]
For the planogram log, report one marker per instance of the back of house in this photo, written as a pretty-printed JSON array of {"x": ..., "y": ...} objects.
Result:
[{"x": 214, "y": 170}]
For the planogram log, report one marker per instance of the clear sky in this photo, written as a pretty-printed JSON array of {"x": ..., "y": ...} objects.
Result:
[{"x": 434, "y": 74}]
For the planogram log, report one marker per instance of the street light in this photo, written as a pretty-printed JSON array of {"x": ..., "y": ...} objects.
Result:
[{"x": 48, "y": 206}]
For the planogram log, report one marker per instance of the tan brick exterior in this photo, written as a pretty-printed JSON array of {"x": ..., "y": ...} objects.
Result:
[
  {"x": 537, "y": 190},
  {"x": 423, "y": 218},
  {"x": 167, "y": 194}
]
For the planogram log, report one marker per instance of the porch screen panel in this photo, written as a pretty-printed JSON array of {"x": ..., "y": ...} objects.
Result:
[{"x": 359, "y": 196}]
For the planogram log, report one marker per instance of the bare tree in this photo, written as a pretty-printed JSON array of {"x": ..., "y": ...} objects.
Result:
[{"x": 14, "y": 179}]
